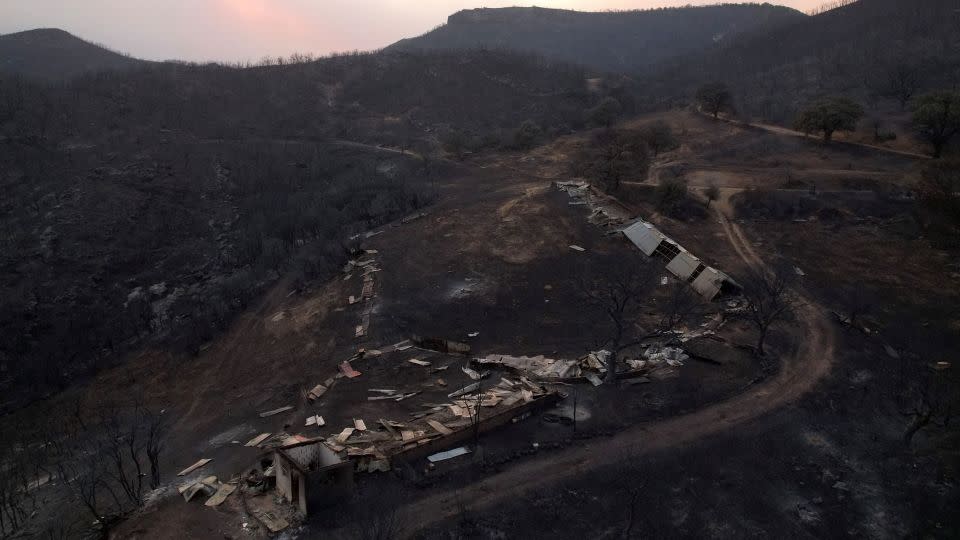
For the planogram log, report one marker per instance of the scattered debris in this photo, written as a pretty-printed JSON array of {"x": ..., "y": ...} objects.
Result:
[
  {"x": 891, "y": 352},
  {"x": 442, "y": 429},
  {"x": 538, "y": 366},
  {"x": 221, "y": 495},
  {"x": 276, "y": 411},
  {"x": 207, "y": 486},
  {"x": 345, "y": 434},
  {"x": 273, "y": 522},
  {"x": 594, "y": 380},
  {"x": 317, "y": 392},
  {"x": 798, "y": 271},
  {"x": 441, "y": 345},
  {"x": 195, "y": 466},
  {"x": 673, "y": 356},
  {"x": 576, "y": 248},
  {"x": 316, "y": 420},
  {"x": 359, "y": 424},
  {"x": 257, "y": 440},
  {"x": 473, "y": 334},
  {"x": 473, "y": 374},
  {"x": 348, "y": 370},
  {"x": 449, "y": 454},
  {"x": 940, "y": 366},
  {"x": 418, "y": 362},
  {"x": 465, "y": 390}
]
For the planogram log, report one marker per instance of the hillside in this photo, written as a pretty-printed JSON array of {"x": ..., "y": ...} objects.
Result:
[
  {"x": 52, "y": 54},
  {"x": 855, "y": 49},
  {"x": 610, "y": 41},
  {"x": 149, "y": 206}
]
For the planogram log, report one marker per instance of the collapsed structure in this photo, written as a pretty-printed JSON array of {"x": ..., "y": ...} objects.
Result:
[
  {"x": 605, "y": 211},
  {"x": 311, "y": 475},
  {"x": 706, "y": 280}
]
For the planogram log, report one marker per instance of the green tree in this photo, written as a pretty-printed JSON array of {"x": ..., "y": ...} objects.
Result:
[
  {"x": 829, "y": 115},
  {"x": 937, "y": 118},
  {"x": 715, "y": 98}
]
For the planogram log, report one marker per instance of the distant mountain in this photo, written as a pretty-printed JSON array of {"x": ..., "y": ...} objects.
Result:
[
  {"x": 52, "y": 54},
  {"x": 612, "y": 41},
  {"x": 855, "y": 49}
]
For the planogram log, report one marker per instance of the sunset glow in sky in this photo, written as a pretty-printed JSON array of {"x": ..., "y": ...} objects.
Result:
[{"x": 250, "y": 29}]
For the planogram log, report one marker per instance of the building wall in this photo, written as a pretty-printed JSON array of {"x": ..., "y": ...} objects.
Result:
[{"x": 286, "y": 472}]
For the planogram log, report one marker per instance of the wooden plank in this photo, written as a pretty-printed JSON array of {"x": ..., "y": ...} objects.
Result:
[
  {"x": 345, "y": 434},
  {"x": 195, "y": 466},
  {"x": 359, "y": 424},
  {"x": 316, "y": 420},
  {"x": 418, "y": 362},
  {"x": 348, "y": 370},
  {"x": 441, "y": 429},
  {"x": 317, "y": 391},
  {"x": 276, "y": 411},
  {"x": 257, "y": 440},
  {"x": 221, "y": 495},
  {"x": 390, "y": 429}
]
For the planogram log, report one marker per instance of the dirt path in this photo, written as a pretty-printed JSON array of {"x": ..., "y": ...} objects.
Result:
[
  {"x": 798, "y": 374},
  {"x": 780, "y": 130}
]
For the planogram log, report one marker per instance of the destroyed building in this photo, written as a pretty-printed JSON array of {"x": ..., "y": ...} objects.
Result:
[
  {"x": 311, "y": 475},
  {"x": 707, "y": 281}
]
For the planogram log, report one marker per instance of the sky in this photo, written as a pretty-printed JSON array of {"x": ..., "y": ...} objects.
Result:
[{"x": 241, "y": 30}]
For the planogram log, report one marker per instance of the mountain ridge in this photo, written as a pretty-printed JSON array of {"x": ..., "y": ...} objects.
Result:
[
  {"x": 624, "y": 41},
  {"x": 53, "y": 54}
]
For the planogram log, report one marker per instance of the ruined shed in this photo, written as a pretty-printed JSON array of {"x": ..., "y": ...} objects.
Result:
[
  {"x": 311, "y": 475},
  {"x": 707, "y": 281}
]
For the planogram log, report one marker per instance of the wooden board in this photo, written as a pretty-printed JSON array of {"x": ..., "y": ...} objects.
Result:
[
  {"x": 195, "y": 466},
  {"x": 221, "y": 495},
  {"x": 257, "y": 440},
  {"x": 441, "y": 429},
  {"x": 276, "y": 411}
]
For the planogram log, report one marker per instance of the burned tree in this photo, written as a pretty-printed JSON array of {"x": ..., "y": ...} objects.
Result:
[
  {"x": 617, "y": 288},
  {"x": 769, "y": 301},
  {"x": 901, "y": 83},
  {"x": 612, "y": 156}
]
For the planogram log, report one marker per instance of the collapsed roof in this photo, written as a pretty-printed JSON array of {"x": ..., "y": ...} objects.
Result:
[{"x": 706, "y": 280}]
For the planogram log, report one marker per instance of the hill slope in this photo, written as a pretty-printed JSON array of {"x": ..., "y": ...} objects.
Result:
[
  {"x": 613, "y": 41},
  {"x": 853, "y": 50},
  {"x": 52, "y": 54},
  {"x": 155, "y": 203}
]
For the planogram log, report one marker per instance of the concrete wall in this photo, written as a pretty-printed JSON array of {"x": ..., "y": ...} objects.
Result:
[{"x": 286, "y": 473}]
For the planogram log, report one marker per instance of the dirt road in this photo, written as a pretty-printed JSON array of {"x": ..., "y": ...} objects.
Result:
[
  {"x": 780, "y": 130},
  {"x": 798, "y": 374}
]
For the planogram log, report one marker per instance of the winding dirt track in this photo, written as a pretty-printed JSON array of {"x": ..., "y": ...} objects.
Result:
[{"x": 798, "y": 374}]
